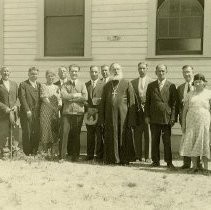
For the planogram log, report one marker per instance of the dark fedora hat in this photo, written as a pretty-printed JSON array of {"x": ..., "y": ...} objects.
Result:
[{"x": 199, "y": 76}]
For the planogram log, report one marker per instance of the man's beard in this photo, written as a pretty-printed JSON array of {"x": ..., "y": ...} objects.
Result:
[{"x": 117, "y": 77}]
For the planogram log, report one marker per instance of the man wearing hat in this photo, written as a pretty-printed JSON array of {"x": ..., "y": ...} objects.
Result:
[{"x": 94, "y": 131}]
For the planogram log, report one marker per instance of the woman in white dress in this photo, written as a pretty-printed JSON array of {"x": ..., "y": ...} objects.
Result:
[{"x": 196, "y": 123}]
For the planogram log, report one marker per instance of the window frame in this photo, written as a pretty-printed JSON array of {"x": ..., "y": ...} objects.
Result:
[
  {"x": 87, "y": 35},
  {"x": 151, "y": 50}
]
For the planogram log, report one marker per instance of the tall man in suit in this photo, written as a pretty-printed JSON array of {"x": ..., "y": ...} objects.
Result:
[
  {"x": 140, "y": 86},
  {"x": 74, "y": 97},
  {"x": 63, "y": 74},
  {"x": 160, "y": 113},
  {"x": 94, "y": 89},
  {"x": 182, "y": 91},
  {"x": 105, "y": 73},
  {"x": 8, "y": 105},
  {"x": 29, "y": 96}
]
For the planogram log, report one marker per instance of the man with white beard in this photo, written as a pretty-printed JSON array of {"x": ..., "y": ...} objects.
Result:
[{"x": 117, "y": 115}]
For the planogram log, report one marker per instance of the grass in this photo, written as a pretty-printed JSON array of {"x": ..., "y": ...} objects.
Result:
[{"x": 28, "y": 183}]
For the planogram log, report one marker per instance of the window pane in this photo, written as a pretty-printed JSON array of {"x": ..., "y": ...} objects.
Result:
[
  {"x": 163, "y": 27},
  {"x": 191, "y": 27},
  {"x": 174, "y": 8},
  {"x": 64, "y": 36},
  {"x": 178, "y": 46},
  {"x": 64, "y": 7},
  {"x": 174, "y": 30}
]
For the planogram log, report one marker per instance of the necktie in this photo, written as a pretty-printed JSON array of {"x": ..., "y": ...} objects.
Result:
[
  {"x": 160, "y": 85},
  {"x": 188, "y": 88},
  {"x": 73, "y": 83}
]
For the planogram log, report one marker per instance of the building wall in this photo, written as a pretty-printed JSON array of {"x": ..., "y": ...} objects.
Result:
[{"x": 126, "y": 20}]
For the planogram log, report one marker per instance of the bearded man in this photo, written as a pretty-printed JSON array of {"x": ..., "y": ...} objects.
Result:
[{"x": 117, "y": 115}]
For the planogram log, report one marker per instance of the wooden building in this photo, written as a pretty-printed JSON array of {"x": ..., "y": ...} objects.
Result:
[{"x": 50, "y": 33}]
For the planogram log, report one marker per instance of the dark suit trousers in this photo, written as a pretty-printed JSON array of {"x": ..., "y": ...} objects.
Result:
[
  {"x": 94, "y": 132},
  {"x": 71, "y": 129},
  {"x": 157, "y": 131},
  {"x": 138, "y": 136},
  {"x": 30, "y": 135}
]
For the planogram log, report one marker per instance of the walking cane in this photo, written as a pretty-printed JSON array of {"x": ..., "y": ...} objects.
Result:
[
  {"x": 11, "y": 133},
  {"x": 150, "y": 140}
]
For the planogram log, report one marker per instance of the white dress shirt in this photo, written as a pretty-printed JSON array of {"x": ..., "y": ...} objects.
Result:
[
  {"x": 34, "y": 84},
  {"x": 161, "y": 84},
  {"x": 7, "y": 84},
  {"x": 63, "y": 81},
  {"x": 94, "y": 82},
  {"x": 186, "y": 88}
]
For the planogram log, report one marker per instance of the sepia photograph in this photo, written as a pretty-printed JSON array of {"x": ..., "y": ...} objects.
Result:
[{"x": 105, "y": 104}]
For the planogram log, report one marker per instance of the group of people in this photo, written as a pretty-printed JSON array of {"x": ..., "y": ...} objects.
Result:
[{"x": 118, "y": 113}]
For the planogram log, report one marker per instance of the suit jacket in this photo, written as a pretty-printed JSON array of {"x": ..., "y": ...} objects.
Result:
[
  {"x": 8, "y": 99},
  {"x": 58, "y": 83},
  {"x": 140, "y": 101},
  {"x": 94, "y": 92},
  {"x": 102, "y": 79},
  {"x": 160, "y": 105},
  {"x": 180, "y": 98},
  {"x": 29, "y": 98}
]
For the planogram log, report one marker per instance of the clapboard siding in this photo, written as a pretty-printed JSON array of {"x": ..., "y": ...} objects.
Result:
[{"x": 126, "y": 19}]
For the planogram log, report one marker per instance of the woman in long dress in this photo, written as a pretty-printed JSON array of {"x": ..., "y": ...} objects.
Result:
[
  {"x": 196, "y": 123},
  {"x": 49, "y": 113}
]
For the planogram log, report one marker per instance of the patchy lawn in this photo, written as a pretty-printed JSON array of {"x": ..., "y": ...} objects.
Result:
[{"x": 37, "y": 184}]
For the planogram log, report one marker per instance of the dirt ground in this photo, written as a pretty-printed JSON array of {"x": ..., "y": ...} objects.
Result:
[{"x": 38, "y": 184}]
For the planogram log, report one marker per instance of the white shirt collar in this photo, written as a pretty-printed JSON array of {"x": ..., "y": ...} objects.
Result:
[
  {"x": 6, "y": 84},
  {"x": 76, "y": 81},
  {"x": 105, "y": 79},
  {"x": 62, "y": 81},
  {"x": 6, "y": 81},
  {"x": 162, "y": 82},
  {"x": 34, "y": 84}
]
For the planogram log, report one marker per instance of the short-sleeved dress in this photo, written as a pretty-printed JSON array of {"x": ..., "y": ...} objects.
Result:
[
  {"x": 196, "y": 140},
  {"x": 49, "y": 114}
]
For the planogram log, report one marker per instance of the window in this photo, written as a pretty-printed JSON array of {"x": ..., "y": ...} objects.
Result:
[
  {"x": 64, "y": 29},
  {"x": 179, "y": 27}
]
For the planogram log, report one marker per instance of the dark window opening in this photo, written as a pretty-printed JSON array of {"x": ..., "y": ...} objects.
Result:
[
  {"x": 64, "y": 28},
  {"x": 179, "y": 27}
]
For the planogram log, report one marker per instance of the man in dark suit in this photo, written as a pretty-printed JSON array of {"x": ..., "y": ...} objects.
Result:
[
  {"x": 182, "y": 91},
  {"x": 63, "y": 74},
  {"x": 29, "y": 96},
  {"x": 8, "y": 105},
  {"x": 140, "y": 86},
  {"x": 160, "y": 113},
  {"x": 94, "y": 89}
]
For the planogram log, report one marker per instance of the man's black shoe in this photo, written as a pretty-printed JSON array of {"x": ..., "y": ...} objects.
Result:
[
  {"x": 171, "y": 166},
  {"x": 184, "y": 167},
  {"x": 89, "y": 158},
  {"x": 155, "y": 164}
]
